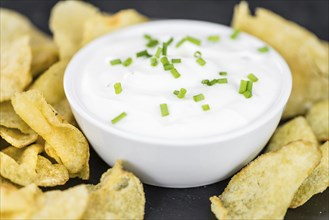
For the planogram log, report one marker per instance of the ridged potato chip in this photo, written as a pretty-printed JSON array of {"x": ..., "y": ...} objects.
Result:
[
  {"x": 65, "y": 139},
  {"x": 67, "y": 20},
  {"x": 15, "y": 63},
  {"x": 305, "y": 54},
  {"x": 315, "y": 183},
  {"x": 265, "y": 188},
  {"x": 101, "y": 24},
  {"x": 295, "y": 129},
  {"x": 119, "y": 195},
  {"x": 318, "y": 118}
]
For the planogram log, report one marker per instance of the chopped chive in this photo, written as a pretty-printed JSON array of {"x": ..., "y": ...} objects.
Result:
[
  {"x": 154, "y": 61},
  {"x": 175, "y": 73},
  {"x": 176, "y": 60},
  {"x": 247, "y": 94},
  {"x": 243, "y": 86},
  {"x": 164, "y": 60},
  {"x": 181, "y": 93},
  {"x": 197, "y": 54},
  {"x": 205, "y": 107},
  {"x": 252, "y": 77},
  {"x": 117, "y": 88},
  {"x": 148, "y": 37},
  {"x": 235, "y": 34},
  {"x": 222, "y": 81},
  {"x": 143, "y": 53},
  {"x": 152, "y": 43},
  {"x": 223, "y": 73},
  {"x": 170, "y": 41},
  {"x": 249, "y": 86},
  {"x": 264, "y": 49},
  {"x": 176, "y": 92},
  {"x": 164, "y": 109},
  {"x": 168, "y": 66},
  {"x": 164, "y": 49},
  {"x": 198, "y": 98},
  {"x": 158, "y": 53},
  {"x": 115, "y": 62},
  {"x": 212, "y": 82},
  {"x": 201, "y": 61},
  {"x": 127, "y": 62},
  {"x": 180, "y": 42},
  {"x": 118, "y": 118},
  {"x": 205, "y": 81},
  {"x": 213, "y": 38},
  {"x": 193, "y": 40}
]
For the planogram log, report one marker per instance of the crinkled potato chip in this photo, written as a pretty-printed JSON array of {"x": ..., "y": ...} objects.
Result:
[
  {"x": 265, "y": 188},
  {"x": 318, "y": 118},
  {"x": 65, "y": 139},
  {"x": 315, "y": 183},
  {"x": 293, "y": 130},
  {"x": 305, "y": 54},
  {"x": 15, "y": 62},
  {"x": 14, "y": 25},
  {"x": 67, "y": 21},
  {"x": 102, "y": 23},
  {"x": 119, "y": 194}
]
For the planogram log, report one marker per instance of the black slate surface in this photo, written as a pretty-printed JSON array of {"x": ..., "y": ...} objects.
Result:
[{"x": 193, "y": 203}]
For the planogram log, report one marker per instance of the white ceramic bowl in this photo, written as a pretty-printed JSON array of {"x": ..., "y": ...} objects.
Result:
[{"x": 177, "y": 162}]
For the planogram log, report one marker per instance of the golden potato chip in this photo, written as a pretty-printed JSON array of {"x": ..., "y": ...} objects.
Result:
[
  {"x": 16, "y": 138},
  {"x": 295, "y": 129},
  {"x": 67, "y": 20},
  {"x": 119, "y": 194},
  {"x": 305, "y": 54},
  {"x": 102, "y": 23},
  {"x": 52, "y": 153},
  {"x": 64, "y": 109},
  {"x": 265, "y": 188},
  {"x": 318, "y": 118},
  {"x": 315, "y": 183},
  {"x": 15, "y": 62},
  {"x": 65, "y": 139}
]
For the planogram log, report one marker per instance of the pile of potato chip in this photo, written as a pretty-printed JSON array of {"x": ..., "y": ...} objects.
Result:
[{"x": 295, "y": 165}]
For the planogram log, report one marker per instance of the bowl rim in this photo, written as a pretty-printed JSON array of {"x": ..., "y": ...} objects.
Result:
[{"x": 281, "y": 100}]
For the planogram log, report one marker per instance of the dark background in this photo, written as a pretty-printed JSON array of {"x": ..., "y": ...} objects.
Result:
[{"x": 193, "y": 203}]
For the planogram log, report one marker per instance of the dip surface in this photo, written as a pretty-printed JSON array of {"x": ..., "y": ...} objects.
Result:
[{"x": 145, "y": 87}]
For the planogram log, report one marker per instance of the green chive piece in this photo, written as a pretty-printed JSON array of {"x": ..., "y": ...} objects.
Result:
[
  {"x": 205, "y": 107},
  {"x": 115, "y": 62},
  {"x": 252, "y": 77},
  {"x": 235, "y": 34},
  {"x": 201, "y": 61},
  {"x": 176, "y": 60},
  {"x": 264, "y": 49},
  {"x": 175, "y": 73},
  {"x": 158, "y": 53},
  {"x": 197, "y": 54},
  {"x": 198, "y": 98},
  {"x": 182, "y": 93},
  {"x": 223, "y": 73},
  {"x": 168, "y": 66},
  {"x": 247, "y": 94},
  {"x": 213, "y": 38},
  {"x": 193, "y": 40},
  {"x": 164, "y": 49},
  {"x": 180, "y": 42},
  {"x": 170, "y": 41},
  {"x": 243, "y": 86},
  {"x": 249, "y": 86},
  {"x": 154, "y": 61},
  {"x": 118, "y": 118},
  {"x": 212, "y": 82},
  {"x": 164, "y": 60},
  {"x": 176, "y": 92},
  {"x": 143, "y": 53},
  {"x": 148, "y": 37},
  {"x": 117, "y": 88},
  {"x": 152, "y": 43},
  {"x": 164, "y": 109},
  {"x": 205, "y": 81},
  {"x": 222, "y": 81},
  {"x": 127, "y": 62}
]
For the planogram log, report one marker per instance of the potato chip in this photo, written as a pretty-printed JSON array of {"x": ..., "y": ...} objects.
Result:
[
  {"x": 119, "y": 194},
  {"x": 305, "y": 54},
  {"x": 318, "y": 118},
  {"x": 65, "y": 139},
  {"x": 265, "y": 188},
  {"x": 15, "y": 62},
  {"x": 295, "y": 129},
  {"x": 64, "y": 109},
  {"x": 67, "y": 20},
  {"x": 16, "y": 138},
  {"x": 315, "y": 183},
  {"x": 102, "y": 23},
  {"x": 52, "y": 153}
]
